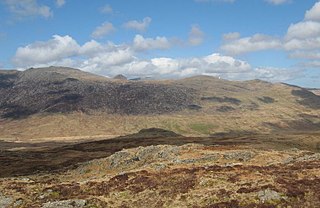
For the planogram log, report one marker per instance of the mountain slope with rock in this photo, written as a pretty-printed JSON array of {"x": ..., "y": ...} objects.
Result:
[{"x": 71, "y": 103}]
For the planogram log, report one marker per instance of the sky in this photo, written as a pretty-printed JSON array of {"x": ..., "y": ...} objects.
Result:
[{"x": 272, "y": 40}]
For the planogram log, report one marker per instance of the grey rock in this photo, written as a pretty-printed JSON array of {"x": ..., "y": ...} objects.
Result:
[
  {"x": 117, "y": 158},
  {"x": 312, "y": 157},
  {"x": 143, "y": 155},
  {"x": 72, "y": 203},
  {"x": 5, "y": 201},
  {"x": 18, "y": 203},
  {"x": 241, "y": 156},
  {"x": 206, "y": 158},
  {"x": 268, "y": 195}
]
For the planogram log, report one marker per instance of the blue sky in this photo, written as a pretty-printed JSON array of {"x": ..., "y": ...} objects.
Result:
[{"x": 273, "y": 40}]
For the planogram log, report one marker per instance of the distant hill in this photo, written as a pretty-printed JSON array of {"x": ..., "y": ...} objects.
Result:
[
  {"x": 120, "y": 76},
  {"x": 195, "y": 105}
]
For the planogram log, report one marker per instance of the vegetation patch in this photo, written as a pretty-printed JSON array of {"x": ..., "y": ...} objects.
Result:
[
  {"x": 266, "y": 99},
  {"x": 202, "y": 128},
  {"x": 222, "y": 100},
  {"x": 224, "y": 109}
]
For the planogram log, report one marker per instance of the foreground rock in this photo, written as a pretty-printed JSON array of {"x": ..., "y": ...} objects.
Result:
[{"x": 190, "y": 175}]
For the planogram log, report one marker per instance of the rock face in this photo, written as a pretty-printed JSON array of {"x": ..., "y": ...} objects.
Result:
[{"x": 63, "y": 90}]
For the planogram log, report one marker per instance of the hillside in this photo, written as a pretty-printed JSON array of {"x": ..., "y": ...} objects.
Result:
[{"x": 60, "y": 102}]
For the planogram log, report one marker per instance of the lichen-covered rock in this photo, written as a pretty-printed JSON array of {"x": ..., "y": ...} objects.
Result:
[
  {"x": 72, "y": 203},
  {"x": 240, "y": 156},
  {"x": 268, "y": 195},
  {"x": 5, "y": 202}
]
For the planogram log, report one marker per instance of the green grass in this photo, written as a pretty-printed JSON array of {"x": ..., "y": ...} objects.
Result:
[{"x": 202, "y": 128}]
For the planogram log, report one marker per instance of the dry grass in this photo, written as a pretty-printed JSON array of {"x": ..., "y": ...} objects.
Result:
[{"x": 220, "y": 182}]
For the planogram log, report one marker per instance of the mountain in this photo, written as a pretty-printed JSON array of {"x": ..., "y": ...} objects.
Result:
[
  {"x": 69, "y": 102},
  {"x": 65, "y": 90}
]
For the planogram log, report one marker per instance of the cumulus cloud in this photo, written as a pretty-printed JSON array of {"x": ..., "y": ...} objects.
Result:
[
  {"x": 313, "y": 13},
  {"x": 143, "y": 44},
  {"x": 60, "y": 3},
  {"x": 302, "y": 44},
  {"x": 302, "y": 40},
  {"x": 139, "y": 26},
  {"x": 196, "y": 35},
  {"x": 109, "y": 59},
  {"x": 278, "y": 2},
  {"x": 43, "y": 52},
  {"x": 231, "y": 36},
  {"x": 249, "y": 44},
  {"x": 27, "y": 8},
  {"x": 304, "y": 29},
  {"x": 103, "y": 30}
]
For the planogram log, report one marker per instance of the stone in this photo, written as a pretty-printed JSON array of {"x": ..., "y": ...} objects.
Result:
[
  {"x": 72, "y": 203},
  {"x": 240, "y": 156},
  {"x": 268, "y": 195},
  {"x": 5, "y": 202}
]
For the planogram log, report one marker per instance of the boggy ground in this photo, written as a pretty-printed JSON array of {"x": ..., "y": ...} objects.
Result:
[{"x": 156, "y": 168}]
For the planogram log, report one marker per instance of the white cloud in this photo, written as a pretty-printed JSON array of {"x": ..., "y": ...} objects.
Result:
[
  {"x": 301, "y": 37},
  {"x": 311, "y": 64},
  {"x": 196, "y": 36},
  {"x": 313, "y": 13},
  {"x": 302, "y": 40},
  {"x": 249, "y": 44},
  {"x": 302, "y": 44},
  {"x": 278, "y": 2},
  {"x": 231, "y": 36},
  {"x": 139, "y": 26},
  {"x": 221, "y": 64},
  {"x": 110, "y": 59},
  {"x": 103, "y": 30},
  {"x": 106, "y": 9},
  {"x": 274, "y": 74},
  {"x": 60, "y": 3},
  {"x": 58, "y": 47},
  {"x": 304, "y": 29},
  {"x": 305, "y": 54},
  {"x": 27, "y": 8},
  {"x": 142, "y": 44}
]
